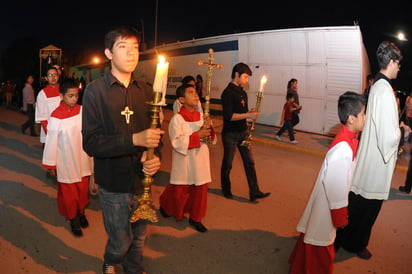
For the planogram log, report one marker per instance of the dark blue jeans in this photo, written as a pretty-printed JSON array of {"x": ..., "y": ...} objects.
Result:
[
  {"x": 287, "y": 125},
  {"x": 231, "y": 141},
  {"x": 125, "y": 240}
]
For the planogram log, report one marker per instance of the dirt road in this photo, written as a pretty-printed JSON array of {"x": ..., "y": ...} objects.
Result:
[{"x": 243, "y": 237}]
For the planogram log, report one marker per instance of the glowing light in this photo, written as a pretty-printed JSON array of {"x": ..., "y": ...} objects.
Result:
[
  {"x": 263, "y": 81},
  {"x": 401, "y": 36}
]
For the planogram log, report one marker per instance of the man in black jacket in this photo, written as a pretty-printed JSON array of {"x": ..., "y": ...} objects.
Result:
[{"x": 116, "y": 132}]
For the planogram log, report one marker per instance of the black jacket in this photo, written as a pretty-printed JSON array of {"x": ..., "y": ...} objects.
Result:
[{"x": 108, "y": 138}]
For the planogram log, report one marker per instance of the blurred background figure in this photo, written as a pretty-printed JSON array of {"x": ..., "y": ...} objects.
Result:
[
  {"x": 28, "y": 106},
  {"x": 8, "y": 91}
]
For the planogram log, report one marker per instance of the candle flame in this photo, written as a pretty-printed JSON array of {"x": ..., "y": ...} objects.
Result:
[
  {"x": 162, "y": 59},
  {"x": 263, "y": 80}
]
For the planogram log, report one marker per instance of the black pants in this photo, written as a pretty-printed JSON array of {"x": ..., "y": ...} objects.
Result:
[
  {"x": 30, "y": 121},
  {"x": 295, "y": 118},
  {"x": 287, "y": 125},
  {"x": 231, "y": 141},
  {"x": 408, "y": 181},
  {"x": 362, "y": 216}
]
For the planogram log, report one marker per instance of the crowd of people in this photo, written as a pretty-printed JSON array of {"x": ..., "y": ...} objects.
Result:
[{"x": 93, "y": 140}]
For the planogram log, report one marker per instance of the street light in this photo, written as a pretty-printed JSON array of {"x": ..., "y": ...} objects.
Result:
[
  {"x": 401, "y": 36},
  {"x": 96, "y": 60}
]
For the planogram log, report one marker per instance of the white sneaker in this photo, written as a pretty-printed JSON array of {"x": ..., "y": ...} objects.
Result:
[
  {"x": 278, "y": 138},
  {"x": 294, "y": 142},
  {"x": 109, "y": 269}
]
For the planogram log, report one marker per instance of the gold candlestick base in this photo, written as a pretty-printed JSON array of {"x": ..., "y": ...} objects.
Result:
[{"x": 144, "y": 210}]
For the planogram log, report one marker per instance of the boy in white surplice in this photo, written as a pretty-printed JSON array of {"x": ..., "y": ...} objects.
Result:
[
  {"x": 187, "y": 191},
  {"x": 64, "y": 157}
]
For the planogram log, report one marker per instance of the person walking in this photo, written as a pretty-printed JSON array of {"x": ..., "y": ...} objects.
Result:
[
  {"x": 369, "y": 82},
  {"x": 64, "y": 158},
  {"x": 190, "y": 174},
  {"x": 118, "y": 141},
  {"x": 235, "y": 130},
  {"x": 8, "y": 90},
  {"x": 47, "y": 101},
  {"x": 377, "y": 155},
  {"x": 327, "y": 208},
  {"x": 292, "y": 88},
  {"x": 28, "y": 106},
  {"x": 199, "y": 86},
  {"x": 406, "y": 188},
  {"x": 287, "y": 116},
  {"x": 187, "y": 80}
]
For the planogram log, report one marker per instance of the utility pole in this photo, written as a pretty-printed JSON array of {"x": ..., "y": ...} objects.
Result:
[{"x": 155, "y": 38}]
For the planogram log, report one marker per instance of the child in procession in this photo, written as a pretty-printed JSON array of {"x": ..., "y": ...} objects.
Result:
[
  {"x": 65, "y": 158},
  {"x": 190, "y": 175},
  {"x": 327, "y": 208}
]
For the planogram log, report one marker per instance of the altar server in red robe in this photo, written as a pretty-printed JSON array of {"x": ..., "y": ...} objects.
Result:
[
  {"x": 327, "y": 208},
  {"x": 65, "y": 158},
  {"x": 187, "y": 191}
]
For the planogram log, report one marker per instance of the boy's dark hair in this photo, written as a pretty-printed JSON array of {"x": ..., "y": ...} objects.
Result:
[
  {"x": 289, "y": 95},
  {"x": 386, "y": 52},
  {"x": 50, "y": 68},
  {"x": 180, "y": 91},
  {"x": 121, "y": 31},
  {"x": 350, "y": 103},
  {"x": 241, "y": 68},
  {"x": 187, "y": 79},
  {"x": 67, "y": 84}
]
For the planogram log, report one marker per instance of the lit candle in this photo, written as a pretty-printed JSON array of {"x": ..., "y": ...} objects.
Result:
[
  {"x": 263, "y": 81},
  {"x": 160, "y": 81}
]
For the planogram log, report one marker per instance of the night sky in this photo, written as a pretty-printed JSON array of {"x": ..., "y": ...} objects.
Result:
[{"x": 82, "y": 24}]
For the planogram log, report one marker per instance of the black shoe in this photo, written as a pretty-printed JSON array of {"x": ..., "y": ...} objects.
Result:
[
  {"x": 75, "y": 227},
  {"x": 404, "y": 189},
  {"x": 34, "y": 134},
  {"x": 228, "y": 194},
  {"x": 163, "y": 212},
  {"x": 258, "y": 195},
  {"x": 198, "y": 226},
  {"x": 364, "y": 254},
  {"x": 83, "y": 221},
  {"x": 23, "y": 130}
]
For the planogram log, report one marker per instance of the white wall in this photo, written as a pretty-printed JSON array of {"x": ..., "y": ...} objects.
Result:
[{"x": 326, "y": 61}]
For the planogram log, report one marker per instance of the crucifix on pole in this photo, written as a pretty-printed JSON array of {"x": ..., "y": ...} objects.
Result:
[{"x": 210, "y": 66}]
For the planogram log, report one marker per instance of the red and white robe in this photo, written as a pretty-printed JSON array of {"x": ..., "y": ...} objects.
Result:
[
  {"x": 190, "y": 174},
  {"x": 327, "y": 208},
  {"x": 47, "y": 101},
  {"x": 64, "y": 152}
]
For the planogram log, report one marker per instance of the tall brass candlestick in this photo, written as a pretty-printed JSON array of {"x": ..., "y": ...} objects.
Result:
[
  {"x": 145, "y": 210},
  {"x": 248, "y": 141}
]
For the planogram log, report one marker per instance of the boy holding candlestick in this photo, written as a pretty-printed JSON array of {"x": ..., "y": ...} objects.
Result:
[{"x": 116, "y": 132}]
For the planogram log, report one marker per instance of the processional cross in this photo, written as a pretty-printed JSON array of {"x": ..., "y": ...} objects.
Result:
[{"x": 210, "y": 67}]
